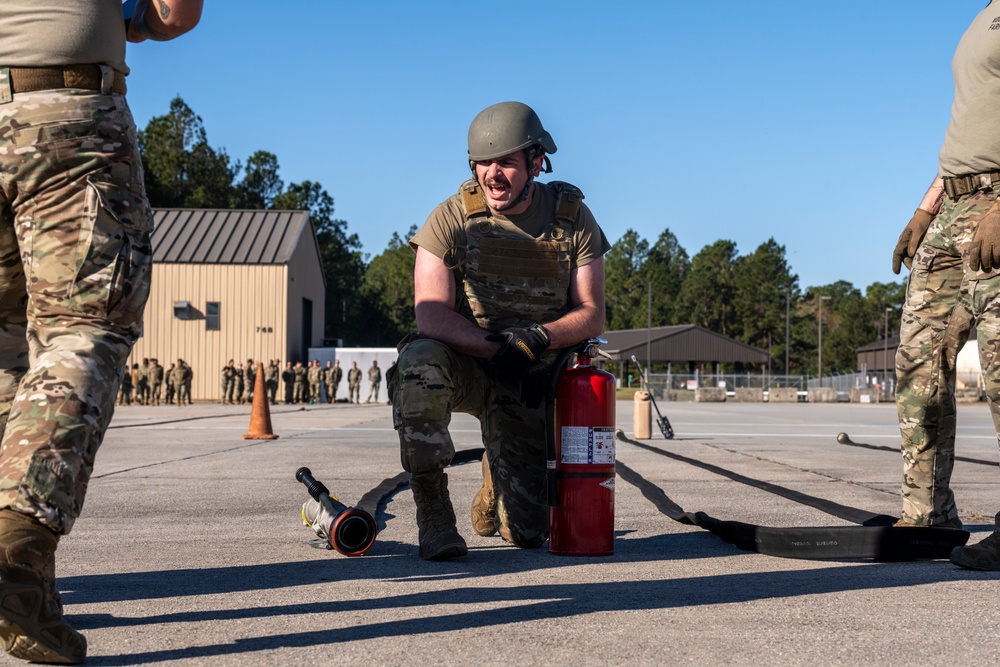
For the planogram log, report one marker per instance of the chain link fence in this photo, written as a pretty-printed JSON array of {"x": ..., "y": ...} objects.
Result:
[{"x": 678, "y": 386}]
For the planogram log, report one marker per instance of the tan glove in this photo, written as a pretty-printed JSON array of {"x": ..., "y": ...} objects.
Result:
[
  {"x": 985, "y": 252},
  {"x": 909, "y": 240}
]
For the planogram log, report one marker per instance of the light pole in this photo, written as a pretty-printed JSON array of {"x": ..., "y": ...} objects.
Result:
[
  {"x": 788, "y": 329},
  {"x": 820, "y": 318}
]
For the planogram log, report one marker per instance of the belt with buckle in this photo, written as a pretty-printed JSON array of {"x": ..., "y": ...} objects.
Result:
[
  {"x": 87, "y": 77},
  {"x": 962, "y": 185}
]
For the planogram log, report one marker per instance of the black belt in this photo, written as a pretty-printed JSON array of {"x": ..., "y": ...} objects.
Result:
[
  {"x": 87, "y": 77},
  {"x": 956, "y": 186}
]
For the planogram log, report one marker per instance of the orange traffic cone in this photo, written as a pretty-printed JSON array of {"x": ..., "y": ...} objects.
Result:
[{"x": 260, "y": 413}]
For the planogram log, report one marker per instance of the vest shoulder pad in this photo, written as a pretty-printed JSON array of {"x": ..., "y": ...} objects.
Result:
[
  {"x": 472, "y": 198},
  {"x": 568, "y": 198}
]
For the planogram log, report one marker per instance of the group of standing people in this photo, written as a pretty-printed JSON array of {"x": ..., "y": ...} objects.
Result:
[
  {"x": 313, "y": 384},
  {"x": 144, "y": 384},
  {"x": 238, "y": 381}
]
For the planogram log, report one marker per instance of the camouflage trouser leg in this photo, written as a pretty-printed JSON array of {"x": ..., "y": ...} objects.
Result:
[
  {"x": 986, "y": 307},
  {"x": 75, "y": 260},
  {"x": 430, "y": 382},
  {"x": 937, "y": 318}
]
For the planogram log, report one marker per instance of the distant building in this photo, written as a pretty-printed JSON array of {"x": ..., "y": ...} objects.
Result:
[
  {"x": 232, "y": 284},
  {"x": 686, "y": 345}
]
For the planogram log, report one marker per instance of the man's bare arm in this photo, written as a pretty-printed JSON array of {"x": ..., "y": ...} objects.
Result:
[
  {"x": 585, "y": 318},
  {"x": 434, "y": 303},
  {"x": 932, "y": 199},
  {"x": 162, "y": 20}
]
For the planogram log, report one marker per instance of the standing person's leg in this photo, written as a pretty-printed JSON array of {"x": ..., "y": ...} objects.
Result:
[
  {"x": 986, "y": 304},
  {"x": 82, "y": 225},
  {"x": 935, "y": 325}
]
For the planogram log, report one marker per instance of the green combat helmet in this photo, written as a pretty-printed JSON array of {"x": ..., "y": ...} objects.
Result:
[{"x": 506, "y": 128}]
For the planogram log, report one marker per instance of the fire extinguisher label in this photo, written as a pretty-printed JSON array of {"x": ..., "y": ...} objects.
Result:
[{"x": 588, "y": 444}]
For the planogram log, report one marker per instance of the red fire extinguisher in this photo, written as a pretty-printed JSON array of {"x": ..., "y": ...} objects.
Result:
[{"x": 582, "y": 512}]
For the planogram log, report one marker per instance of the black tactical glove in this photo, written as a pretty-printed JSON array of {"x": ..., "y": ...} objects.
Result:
[
  {"x": 909, "y": 240},
  {"x": 985, "y": 252},
  {"x": 520, "y": 353}
]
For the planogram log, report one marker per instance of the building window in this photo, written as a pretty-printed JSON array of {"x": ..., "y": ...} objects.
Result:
[{"x": 212, "y": 316}]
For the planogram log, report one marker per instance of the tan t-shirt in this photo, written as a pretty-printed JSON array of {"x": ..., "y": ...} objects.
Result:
[
  {"x": 43, "y": 33},
  {"x": 445, "y": 227},
  {"x": 972, "y": 141}
]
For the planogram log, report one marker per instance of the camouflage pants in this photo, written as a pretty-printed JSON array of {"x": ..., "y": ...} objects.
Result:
[
  {"x": 943, "y": 298},
  {"x": 75, "y": 261},
  {"x": 429, "y": 382}
]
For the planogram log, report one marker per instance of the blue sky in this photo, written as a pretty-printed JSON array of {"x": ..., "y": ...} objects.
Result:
[{"x": 817, "y": 123}]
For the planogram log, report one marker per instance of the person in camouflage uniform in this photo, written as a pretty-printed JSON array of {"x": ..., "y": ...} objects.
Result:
[
  {"x": 240, "y": 384},
  {"x": 181, "y": 375},
  {"x": 299, "y": 386},
  {"x": 142, "y": 388},
  {"x": 187, "y": 377},
  {"x": 227, "y": 381},
  {"x": 952, "y": 246},
  {"x": 271, "y": 374},
  {"x": 155, "y": 381},
  {"x": 354, "y": 383},
  {"x": 505, "y": 270},
  {"x": 288, "y": 377},
  {"x": 125, "y": 393},
  {"x": 313, "y": 376},
  {"x": 374, "y": 382},
  {"x": 136, "y": 375},
  {"x": 332, "y": 375},
  {"x": 250, "y": 373},
  {"x": 171, "y": 387},
  {"x": 75, "y": 262}
]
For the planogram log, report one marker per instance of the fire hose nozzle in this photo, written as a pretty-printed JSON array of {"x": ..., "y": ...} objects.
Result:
[{"x": 349, "y": 530}]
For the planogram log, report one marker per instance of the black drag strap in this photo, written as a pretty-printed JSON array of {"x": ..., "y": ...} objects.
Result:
[
  {"x": 876, "y": 537},
  {"x": 845, "y": 439},
  {"x": 373, "y": 501}
]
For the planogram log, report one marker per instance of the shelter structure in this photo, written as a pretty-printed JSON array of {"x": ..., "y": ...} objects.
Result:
[
  {"x": 231, "y": 284},
  {"x": 686, "y": 344}
]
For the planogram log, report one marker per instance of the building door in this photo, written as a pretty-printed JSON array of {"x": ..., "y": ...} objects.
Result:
[{"x": 307, "y": 327}]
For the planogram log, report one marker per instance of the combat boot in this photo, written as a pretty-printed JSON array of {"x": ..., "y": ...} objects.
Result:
[
  {"x": 982, "y": 556},
  {"x": 439, "y": 538},
  {"x": 484, "y": 510},
  {"x": 32, "y": 626}
]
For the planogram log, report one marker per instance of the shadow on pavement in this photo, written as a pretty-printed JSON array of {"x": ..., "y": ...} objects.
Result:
[{"x": 516, "y": 604}]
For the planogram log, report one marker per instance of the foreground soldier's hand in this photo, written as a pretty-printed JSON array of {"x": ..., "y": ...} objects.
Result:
[
  {"x": 985, "y": 253},
  {"x": 909, "y": 240},
  {"x": 520, "y": 352}
]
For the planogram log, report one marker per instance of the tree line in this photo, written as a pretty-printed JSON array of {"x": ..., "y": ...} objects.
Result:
[{"x": 369, "y": 300}]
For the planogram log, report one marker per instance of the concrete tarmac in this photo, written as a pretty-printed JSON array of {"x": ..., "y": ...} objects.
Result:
[{"x": 191, "y": 551}]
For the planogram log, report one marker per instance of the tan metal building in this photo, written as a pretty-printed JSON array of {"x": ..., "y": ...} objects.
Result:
[{"x": 231, "y": 284}]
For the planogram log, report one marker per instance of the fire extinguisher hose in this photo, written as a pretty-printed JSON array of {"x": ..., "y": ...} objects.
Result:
[{"x": 874, "y": 537}]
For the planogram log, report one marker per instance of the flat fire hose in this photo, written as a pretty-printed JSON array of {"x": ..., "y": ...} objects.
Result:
[
  {"x": 875, "y": 537},
  {"x": 372, "y": 501}
]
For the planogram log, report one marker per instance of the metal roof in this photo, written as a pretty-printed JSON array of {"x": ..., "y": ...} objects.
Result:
[
  {"x": 681, "y": 342},
  {"x": 223, "y": 236}
]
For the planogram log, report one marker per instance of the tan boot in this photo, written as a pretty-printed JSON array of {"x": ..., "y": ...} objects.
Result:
[
  {"x": 439, "y": 538},
  {"x": 484, "y": 510},
  {"x": 32, "y": 626}
]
